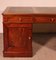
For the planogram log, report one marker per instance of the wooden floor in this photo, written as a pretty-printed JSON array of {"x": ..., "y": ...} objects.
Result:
[{"x": 44, "y": 48}]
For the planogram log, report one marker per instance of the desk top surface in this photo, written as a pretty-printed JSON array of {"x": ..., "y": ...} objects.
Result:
[{"x": 29, "y": 10}]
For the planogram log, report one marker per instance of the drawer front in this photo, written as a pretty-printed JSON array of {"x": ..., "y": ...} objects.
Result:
[
  {"x": 26, "y": 19},
  {"x": 18, "y": 19},
  {"x": 10, "y": 18},
  {"x": 17, "y": 25},
  {"x": 41, "y": 19},
  {"x": 45, "y": 19}
]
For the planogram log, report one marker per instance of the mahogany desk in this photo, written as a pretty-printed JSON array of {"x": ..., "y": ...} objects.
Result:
[{"x": 17, "y": 28}]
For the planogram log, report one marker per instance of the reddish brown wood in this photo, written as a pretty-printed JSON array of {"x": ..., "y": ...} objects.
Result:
[
  {"x": 18, "y": 18},
  {"x": 17, "y": 28},
  {"x": 17, "y": 25},
  {"x": 17, "y": 35},
  {"x": 17, "y": 40},
  {"x": 44, "y": 18},
  {"x": 41, "y": 19}
]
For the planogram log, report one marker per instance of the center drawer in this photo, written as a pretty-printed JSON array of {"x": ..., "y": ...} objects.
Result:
[{"x": 45, "y": 19}]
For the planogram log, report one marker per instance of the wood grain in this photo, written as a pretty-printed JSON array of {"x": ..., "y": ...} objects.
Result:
[{"x": 17, "y": 28}]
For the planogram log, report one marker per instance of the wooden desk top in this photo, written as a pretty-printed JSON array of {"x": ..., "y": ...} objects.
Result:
[{"x": 29, "y": 10}]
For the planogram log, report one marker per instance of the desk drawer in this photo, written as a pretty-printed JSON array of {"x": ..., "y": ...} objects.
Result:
[
  {"x": 45, "y": 19},
  {"x": 10, "y": 18},
  {"x": 27, "y": 19},
  {"x": 18, "y": 19},
  {"x": 17, "y": 25},
  {"x": 42, "y": 19}
]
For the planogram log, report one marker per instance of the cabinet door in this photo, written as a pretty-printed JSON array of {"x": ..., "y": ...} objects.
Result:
[{"x": 18, "y": 37}]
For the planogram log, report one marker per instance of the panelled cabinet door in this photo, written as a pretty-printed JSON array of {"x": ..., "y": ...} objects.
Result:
[{"x": 19, "y": 39}]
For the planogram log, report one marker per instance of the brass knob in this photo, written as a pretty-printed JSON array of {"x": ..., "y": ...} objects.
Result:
[
  {"x": 20, "y": 19},
  {"x": 52, "y": 19},
  {"x": 29, "y": 37}
]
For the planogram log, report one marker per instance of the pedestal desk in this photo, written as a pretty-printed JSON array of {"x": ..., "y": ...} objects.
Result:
[{"x": 17, "y": 28}]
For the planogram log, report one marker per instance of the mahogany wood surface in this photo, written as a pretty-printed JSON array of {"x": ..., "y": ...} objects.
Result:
[{"x": 17, "y": 28}]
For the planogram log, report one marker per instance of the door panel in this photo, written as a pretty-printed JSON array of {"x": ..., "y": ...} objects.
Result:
[
  {"x": 19, "y": 37},
  {"x": 17, "y": 40}
]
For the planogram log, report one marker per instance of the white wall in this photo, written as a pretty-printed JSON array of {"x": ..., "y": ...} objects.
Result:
[{"x": 36, "y": 3}]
